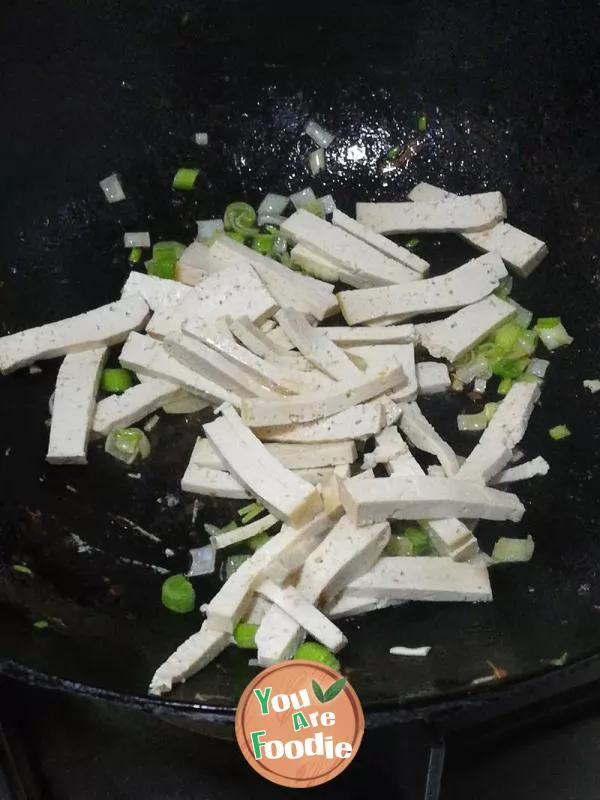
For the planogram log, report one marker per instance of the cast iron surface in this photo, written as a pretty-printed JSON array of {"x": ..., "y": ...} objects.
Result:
[{"x": 510, "y": 99}]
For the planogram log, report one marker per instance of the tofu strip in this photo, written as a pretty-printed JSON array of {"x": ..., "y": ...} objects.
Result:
[
  {"x": 316, "y": 346},
  {"x": 297, "y": 607},
  {"x": 426, "y": 497},
  {"x": 345, "y": 605},
  {"x": 358, "y": 422},
  {"x": 287, "y": 496},
  {"x": 421, "y": 433},
  {"x": 432, "y": 377},
  {"x": 473, "y": 212},
  {"x": 360, "y": 265},
  {"x": 143, "y": 354},
  {"x": 520, "y": 250},
  {"x": 324, "y": 403},
  {"x": 264, "y": 346},
  {"x": 292, "y": 456},
  {"x": 381, "y": 357},
  {"x": 424, "y": 579},
  {"x": 449, "y": 338},
  {"x": 74, "y": 402},
  {"x": 524, "y": 471},
  {"x": 344, "y": 554},
  {"x": 122, "y": 410},
  {"x": 190, "y": 657},
  {"x": 357, "y": 336},
  {"x": 504, "y": 432},
  {"x": 155, "y": 291},
  {"x": 241, "y": 534},
  {"x": 212, "y": 365},
  {"x": 212, "y": 483},
  {"x": 106, "y": 325},
  {"x": 473, "y": 281},
  {"x": 385, "y": 246},
  {"x": 276, "y": 559}
]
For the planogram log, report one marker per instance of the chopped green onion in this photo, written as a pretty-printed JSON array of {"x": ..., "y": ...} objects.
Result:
[
  {"x": 507, "y": 335},
  {"x": 185, "y": 179},
  {"x": 313, "y": 651},
  {"x": 240, "y": 218},
  {"x": 527, "y": 377},
  {"x": 559, "y": 662},
  {"x": 522, "y": 315},
  {"x": 127, "y": 444},
  {"x": 392, "y": 153},
  {"x": 237, "y": 237},
  {"x": 250, "y": 512},
  {"x": 258, "y": 540},
  {"x": 233, "y": 563},
  {"x": 509, "y": 368},
  {"x": 412, "y": 243},
  {"x": 398, "y": 546},
  {"x": 505, "y": 287},
  {"x": 213, "y": 530},
  {"x": 538, "y": 367},
  {"x": 419, "y": 540},
  {"x": 263, "y": 243},
  {"x": 477, "y": 422},
  {"x": 315, "y": 208},
  {"x": 477, "y": 367},
  {"x": 244, "y": 634},
  {"x": 422, "y": 123},
  {"x": 178, "y": 595},
  {"x": 318, "y": 134},
  {"x": 513, "y": 550},
  {"x": 24, "y": 570},
  {"x": 116, "y": 381},
  {"x": 135, "y": 256},
  {"x": 552, "y": 332},
  {"x": 505, "y": 386},
  {"x": 41, "y": 624},
  {"x": 160, "y": 269},
  {"x": 316, "y": 161},
  {"x": 164, "y": 259},
  {"x": 559, "y": 432}
]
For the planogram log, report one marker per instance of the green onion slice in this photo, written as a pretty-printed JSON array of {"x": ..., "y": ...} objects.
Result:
[
  {"x": 313, "y": 651},
  {"x": 559, "y": 432},
  {"x": 244, "y": 634},
  {"x": 116, "y": 381},
  {"x": 178, "y": 595},
  {"x": 127, "y": 444},
  {"x": 185, "y": 179}
]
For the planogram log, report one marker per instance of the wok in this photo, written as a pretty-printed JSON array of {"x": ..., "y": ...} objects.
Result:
[{"x": 509, "y": 93}]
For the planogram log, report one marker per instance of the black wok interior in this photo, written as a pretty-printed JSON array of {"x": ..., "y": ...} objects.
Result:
[{"x": 88, "y": 89}]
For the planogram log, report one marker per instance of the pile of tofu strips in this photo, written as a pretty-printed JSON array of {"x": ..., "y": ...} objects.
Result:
[{"x": 293, "y": 394}]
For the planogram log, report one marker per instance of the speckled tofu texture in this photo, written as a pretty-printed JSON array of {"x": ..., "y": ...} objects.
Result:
[
  {"x": 123, "y": 410},
  {"x": 357, "y": 422},
  {"x": 472, "y": 212},
  {"x": 359, "y": 264},
  {"x": 155, "y": 291},
  {"x": 520, "y": 250},
  {"x": 106, "y": 325},
  {"x": 74, "y": 403},
  {"x": 465, "y": 285}
]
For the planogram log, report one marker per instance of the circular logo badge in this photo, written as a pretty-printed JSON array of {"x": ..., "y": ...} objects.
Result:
[{"x": 299, "y": 723}]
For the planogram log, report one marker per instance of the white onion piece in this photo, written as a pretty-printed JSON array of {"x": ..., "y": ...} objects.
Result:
[
  {"x": 303, "y": 198},
  {"x": 410, "y": 651},
  {"x": 201, "y": 139},
  {"x": 208, "y": 228},
  {"x": 318, "y": 134},
  {"x": 538, "y": 367},
  {"x": 186, "y": 404},
  {"x": 512, "y": 551},
  {"x": 113, "y": 191},
  {"x": 523, "y": 316},
  {"x": 273, "y": 204},
  {"x": 327, "y": 204},
  {"x": 136, "y": 239},
  {"x": 316, "y": 161},
  {"x": 203, "y": 561},
  {"x": 269, "y": 219},
  {"x": 480, "y": 385}
]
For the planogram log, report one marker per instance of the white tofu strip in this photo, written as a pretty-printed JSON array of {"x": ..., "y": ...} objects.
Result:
[
  {"x": 258, "y": 608},
  {"x": 385, "y": 246},
  {"x": 424, "y": 497},
  {"x": 278, "y": 337},
  {"x": 390, "y": 445},
  {"x": 315, "y": 475},
  {"x": 263, "y": 345},
  {"x": 313, "y": 263},
  {"x": 450, "y": 536},
  {"x": 155, "y": 291},
  {"x": 359, "y": 336},
  {"x": 190, "y": 657},
  {"x": 324, "y": 403},
  {"x": 424, "y": 579},
  {"x": 276, "y": 559},
  {"x": 360, "y": 265},
  {"x": 212, "y": 483},
  {"x": 287, "y": 496},
  {"x": 296, "y": 606},
  {"x": 473, "y": 212},
  {"x": 449, "y": 338},
  {"x": 235, "y": 290},
  {"x": 198, "y": 256},
  {"x": 290, "y": 289},
  {"x": 292, "y": 456},
  {"x": 188, "y": 275},
  {"x": 345, "y": 605},
  {"x": 432, "y": 377},
  {"x": 473, "y": 281},
  {"x": 421, "y": 433},
  {"x": 74, "y": 403},
  {"x": 346, "y": 553},
  {"x": 244, "y": 532},
  {"x": 106, "y": 325},
  {"x": 381, "y": 357},
  {"x": 145, "y": 354},
  {"x": 330, "y": 492},
  {"x": 202, "y": 359},
  {"x": 316, "y": 346},
  {"x": 122, "y": 410},
  {"x": 358, "y": 422},
  {"x": 520, "y": 250},
  {"x": 524, "y": 471},
  {"x": 504, "y": 432}
]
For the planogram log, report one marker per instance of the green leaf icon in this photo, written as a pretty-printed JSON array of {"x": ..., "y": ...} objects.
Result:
[
  {"x": 318, "y": 692},
  {"x": 334, "y": 690}
]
